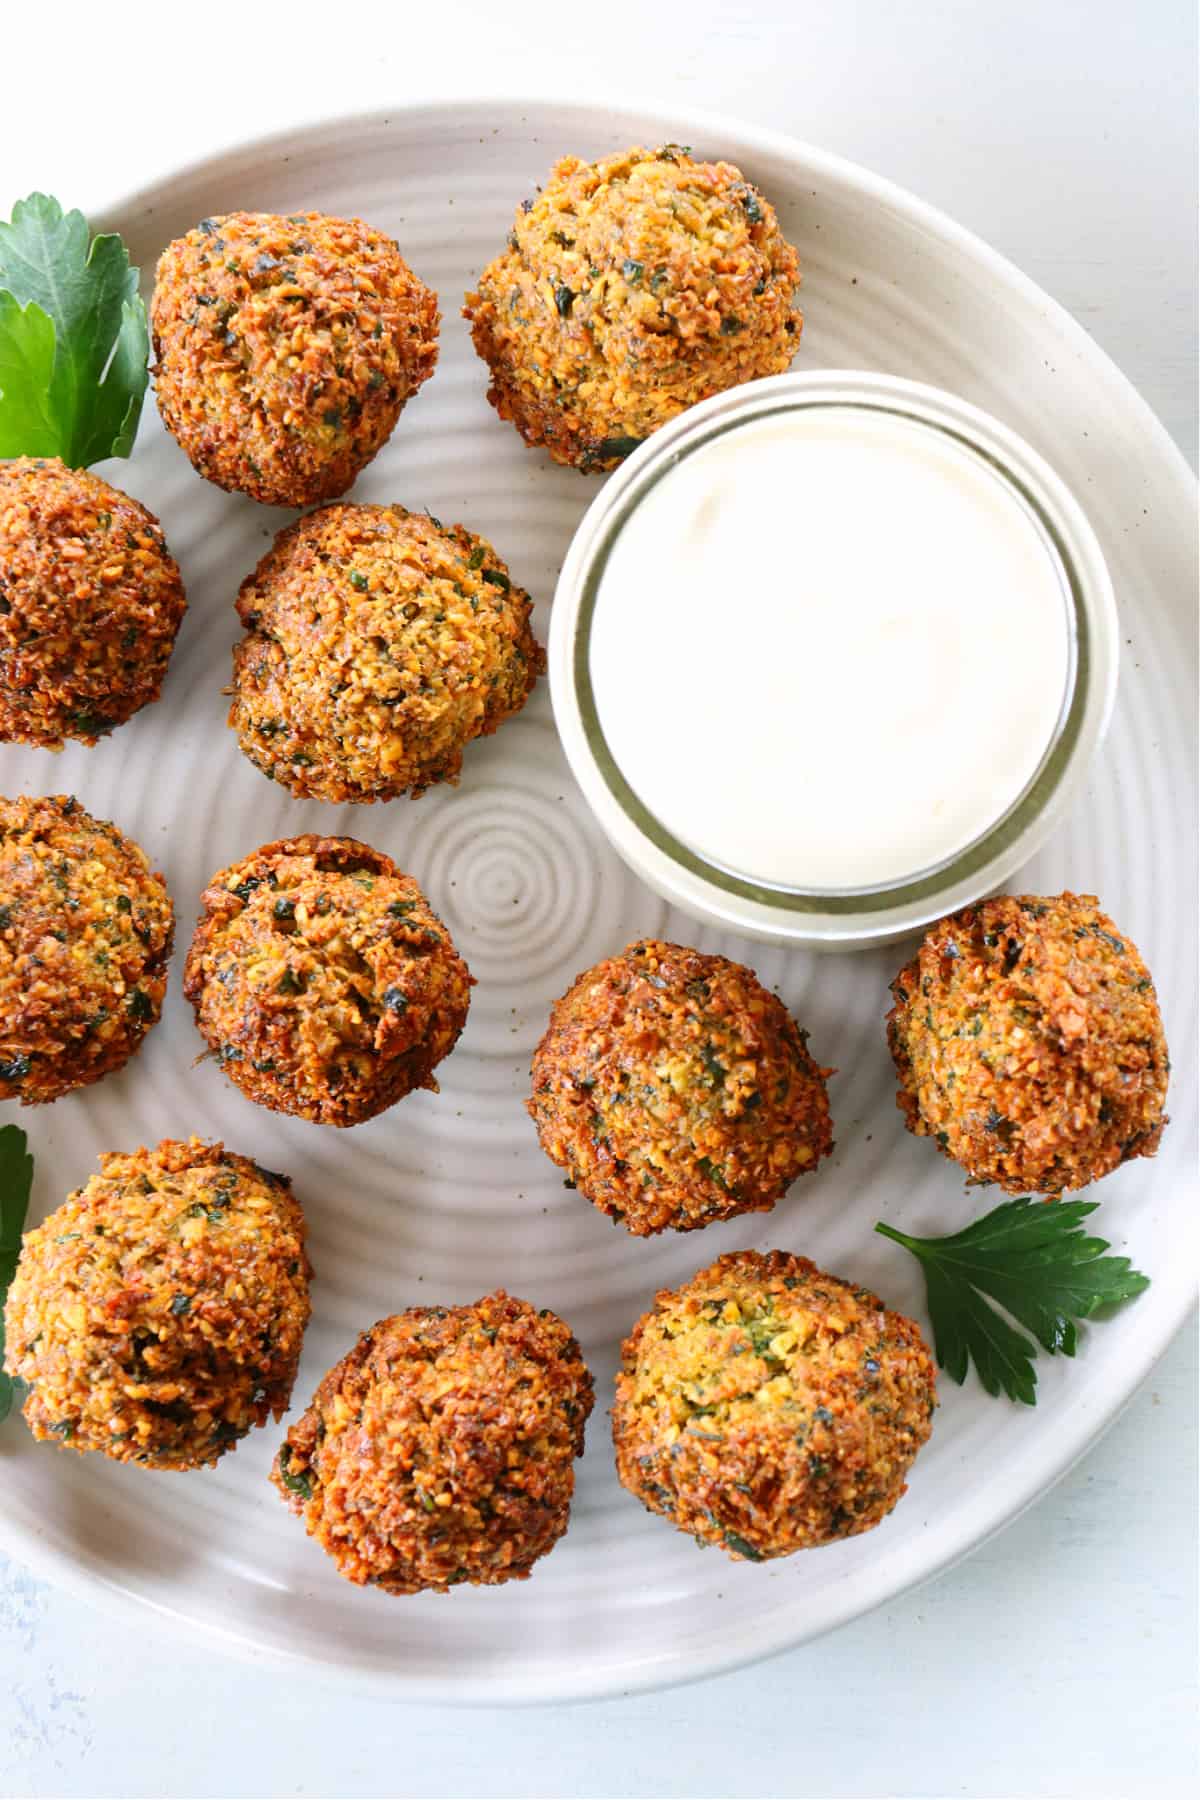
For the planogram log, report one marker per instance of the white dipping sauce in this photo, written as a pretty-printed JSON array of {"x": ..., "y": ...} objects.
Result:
[{"x": 830, "y": 648}]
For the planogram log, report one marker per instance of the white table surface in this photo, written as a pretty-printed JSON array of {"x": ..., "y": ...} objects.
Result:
[{"x": 1060, "y": 1659}]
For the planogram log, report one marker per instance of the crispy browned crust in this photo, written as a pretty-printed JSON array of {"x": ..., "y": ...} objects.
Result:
[
  {"x": 441, "y": 1449},
  {"x": 157, "y": 1315},
  {"x": 323, "y": 980},
  {"x": 378, "y": 644},
  {"x": 86, "y": 929},
  {"x": 675, "y": 1090},
  {"x": 630, "y": 289},
  {"x": 90, "y": 602},
  {"x": 1029, "y": 1045},
  {"x": 286, "y": 349},
  {"x": 768, "y": 1407}
]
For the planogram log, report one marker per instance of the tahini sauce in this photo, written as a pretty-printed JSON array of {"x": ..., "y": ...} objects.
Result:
[{"x": 830, "y": 648}]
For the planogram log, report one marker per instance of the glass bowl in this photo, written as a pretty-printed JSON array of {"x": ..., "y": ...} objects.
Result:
[{"x": 837, "y": 918}]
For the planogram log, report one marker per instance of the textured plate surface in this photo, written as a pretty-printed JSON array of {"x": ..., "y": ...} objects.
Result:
[{"x": 448, "y": 1196}]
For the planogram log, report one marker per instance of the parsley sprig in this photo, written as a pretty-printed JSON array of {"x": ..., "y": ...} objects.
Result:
[
  {"x": 1036, "y": 1260},
  {"x": 73, "y": 339},
  {"x": 16, "y": 1180}
]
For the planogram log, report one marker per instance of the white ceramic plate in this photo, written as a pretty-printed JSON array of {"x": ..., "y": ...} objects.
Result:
[{"x": 447, "y": 1196}]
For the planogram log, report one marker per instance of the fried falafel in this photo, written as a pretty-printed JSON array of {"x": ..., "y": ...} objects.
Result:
[
  {"x": 90, "y": 602},
  {"x": 86, "y": 929},
  {"x": 630, "y": 289},
  {"x": 1029, "y": 1045},
  {"x": 768, "y": 1407},
  {"x": 675, "y": 1090},
  {"x": 286, "y": 349},
  {"x": 323, "y": 980},
  {"x": 378, "y": 644},
  {"x": 441, "y": 1449},
  {"x": 157, "y": 1315}
]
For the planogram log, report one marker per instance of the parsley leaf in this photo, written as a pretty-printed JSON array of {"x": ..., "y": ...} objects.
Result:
[
  {"x": 16, "y": 1179},
  {"x": 27, "y": 426},
  {"x": 1035, "y": 1259},
  {"x": 73, "y": 338}
]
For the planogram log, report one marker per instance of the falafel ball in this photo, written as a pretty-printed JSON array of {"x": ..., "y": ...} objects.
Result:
[
  {"x": 90, "y": 602},
  {"x": 86, "y": 929},
  {"x": 675, "y": 1090},
  {"x": 378, "y": 644},
  {"x": 768, "y": 1407},
  {"x": 441, "y": 1449},
  {"x": 323, "y": 980},
  {"x": 631, "y": 288},
  {"x": 1029, "y": 1045},
  {"x": 158, "y": 1313},
  {"x": 286, "y": 349}
]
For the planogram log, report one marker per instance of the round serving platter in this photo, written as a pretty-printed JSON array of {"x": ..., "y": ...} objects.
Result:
[{"x": 448, "y": 1196}]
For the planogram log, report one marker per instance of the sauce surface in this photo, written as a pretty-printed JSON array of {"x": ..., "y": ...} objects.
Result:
[{"x": 830, "y": 648}]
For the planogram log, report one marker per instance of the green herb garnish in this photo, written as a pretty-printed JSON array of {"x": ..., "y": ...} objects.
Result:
[
  {"x": 299, "y": 1482},
  {"x": 1034, "y": 1258},
  {"x": 73, "y": 338},
  {"x": 16, "y": 1180},
  {"x": 715, "y": 1173},
  {"x": 93, "y": 724},
  {"x": 614, "y": 446}
]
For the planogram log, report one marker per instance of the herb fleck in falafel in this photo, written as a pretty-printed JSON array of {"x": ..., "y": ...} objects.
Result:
[
  {"x": 90, "y": 602},
  {"x": 286, "y": 349},
  {"x": 441, "y": 1449},
  {"x": 323, "y": 980},
  {"x": 86, "y": 930},
  {"x": 158, "y": 1313},
  {"x": 1029, "y": 1045},
  {"x": 630, "y": 289},
  {"x": 676, "y": 1090},
  {"x": 378, "y": 644},
  {"x": 767, "y": 1407}
]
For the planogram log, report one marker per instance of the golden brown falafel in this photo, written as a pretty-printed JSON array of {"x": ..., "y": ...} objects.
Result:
[
  {"x": 378, "y": 644},
  {"x": 286, "y": 349},
  {"x": 441, "y": 1449},
  {"x": 631, "y": 288},
  {"x": 768, "y": 1407},
  {"x": 1029, "y": 1045},
  {"x": 323, "y": 980},
  {"x": 90, "y": 602},
  {"x": 158, "y": 1313},
  {"x": 86, "y": 929},
  {"x": 675, "y": 1090}
]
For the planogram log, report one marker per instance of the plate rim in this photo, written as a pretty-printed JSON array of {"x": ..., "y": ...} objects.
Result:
[{"x": 86, "y": 1578}]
